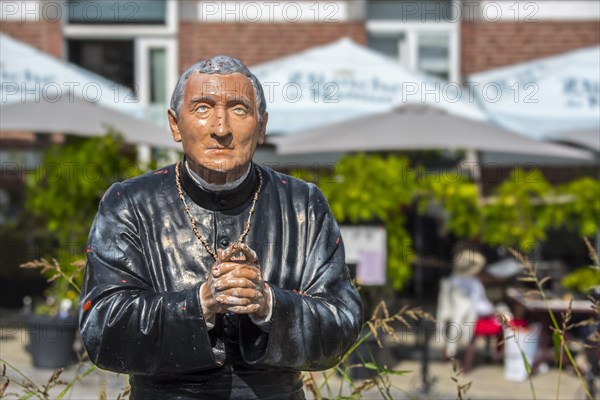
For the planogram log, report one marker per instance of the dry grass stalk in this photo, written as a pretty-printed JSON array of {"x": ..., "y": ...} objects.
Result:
[
  {"x": 5, "y": 381},
  {"x": 381, "y": 319},
  {"x": 366, "y": 385},
  {"x": 544, "y": 280},
  {"x": 559, "y": 331},
  {"x": 53, "y": 381},
  {"x": 124, "y": 393},
  {"x": 533, "y": 295},
  {"x": 4, "y": 385},
  {"x": 461, "y": 388},
  {"x": 54, "y": 271},
  {"x": 42, "y": 264},
  {"x": 102, "y": 394},
  {"x": 308, "y": 379},
  {"x": 594, "y": 338},
  {"x": 592, "y": 253}
]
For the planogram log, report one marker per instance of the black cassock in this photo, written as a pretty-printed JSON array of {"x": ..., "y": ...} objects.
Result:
[{"x": 140, "y": 311}]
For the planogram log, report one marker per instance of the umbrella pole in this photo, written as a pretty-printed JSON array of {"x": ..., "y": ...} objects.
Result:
[
  {"x": 597, "y": 241},
  {"x": 144, "y": 155},
  {"x": 423, "y": 336},
  {"x": 472, "y": 163}
]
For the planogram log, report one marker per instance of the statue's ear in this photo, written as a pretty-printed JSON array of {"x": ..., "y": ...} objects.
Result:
[
  {"x": 173, "y": 125},
  {"x": 263, "y": 128}
]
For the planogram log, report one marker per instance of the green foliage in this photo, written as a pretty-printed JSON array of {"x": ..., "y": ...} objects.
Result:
[
  {"x": 582, "y": 279},
  {"x": 581, "y": 210},
  {"x": 516, "y": 216},
  {"x": 65, "y": 191},
  {"x": 525, "y": 206},
  {"x": 366, "y": 188},
  {"x": 66, "y": 188},
  {"x": 400, "y": 251},
  {"x": 457, "y": 197}
]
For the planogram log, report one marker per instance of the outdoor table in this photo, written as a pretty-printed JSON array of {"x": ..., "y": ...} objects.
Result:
[{"x": 536, "y": 310}]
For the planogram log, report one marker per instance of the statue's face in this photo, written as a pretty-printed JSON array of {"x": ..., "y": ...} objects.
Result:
[{"x": 218, "y": 123}]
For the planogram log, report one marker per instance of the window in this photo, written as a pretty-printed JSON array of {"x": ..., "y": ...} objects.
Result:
[
  {"x": 421, "y": 35},
  {"x": 434, "y": 54},
  {"x": 387, "y": 44},
  {"x": 156, "y": 73},
  {"x": 112, "y": 59},
  {"x": 157, "y": 84},
  {"x": 131, "y": 42},
  {"x": 117, "y": 12},
  {"x": 412, "y": 10}
]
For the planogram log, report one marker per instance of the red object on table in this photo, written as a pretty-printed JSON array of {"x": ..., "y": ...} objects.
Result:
[
  {"x": 488, "y": 326},
  {"x": 517, "y": 323}
]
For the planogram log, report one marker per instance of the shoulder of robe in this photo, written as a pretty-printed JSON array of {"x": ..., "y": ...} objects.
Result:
[
  {"x": 150, "y": 182},
  {"x": 140, "y": 188}
]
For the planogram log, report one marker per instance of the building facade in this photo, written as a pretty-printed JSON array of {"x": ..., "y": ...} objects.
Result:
[{"x": 146, "y": 44}]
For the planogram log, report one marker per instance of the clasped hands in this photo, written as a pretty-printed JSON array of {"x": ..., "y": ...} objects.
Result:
[{"x": 235, "y": 284}]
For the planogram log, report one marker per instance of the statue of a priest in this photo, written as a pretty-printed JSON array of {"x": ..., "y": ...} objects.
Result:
[{"x": 217, "y": 278}]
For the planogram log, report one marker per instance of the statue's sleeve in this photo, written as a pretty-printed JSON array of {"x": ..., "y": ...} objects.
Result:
[
  {"x": 311, "y": 330},
  {"x": 126, "y": 325}
]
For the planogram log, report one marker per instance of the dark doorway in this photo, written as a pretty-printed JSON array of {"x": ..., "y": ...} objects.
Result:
[{"x": 112, "y": 59}]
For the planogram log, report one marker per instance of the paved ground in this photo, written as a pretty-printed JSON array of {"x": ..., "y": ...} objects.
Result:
[{"x": 487, "y": 380}]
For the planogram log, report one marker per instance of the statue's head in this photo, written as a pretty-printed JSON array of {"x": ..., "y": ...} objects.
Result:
[{"x": 218, "y": 112}]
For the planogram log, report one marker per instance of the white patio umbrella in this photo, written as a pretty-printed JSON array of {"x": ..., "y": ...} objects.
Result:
[
  {"x": 417, "y": 127},
  {"x": 30, "y": 75},
  {"x": 44, "y": 94},
  {"x": 589, "y": 138},
  {"x": 558, "y": 94},
  {"x": 344, "y": 80},
  {"x": 83, "y": 118}
]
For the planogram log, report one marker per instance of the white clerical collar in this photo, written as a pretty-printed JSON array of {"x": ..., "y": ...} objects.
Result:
[{"x": 213, "y": 187}]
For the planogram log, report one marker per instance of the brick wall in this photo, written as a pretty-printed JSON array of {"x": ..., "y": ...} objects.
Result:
[
  {"x": 259, "y": 42},
  {"x": 45, "y": 35},
  {"x": 487, "y": 45}
]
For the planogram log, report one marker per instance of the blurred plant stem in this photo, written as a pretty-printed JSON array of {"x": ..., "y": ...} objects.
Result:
[
  {"x": 559, "y": 332},
  {"x": 381, "y": 322}
]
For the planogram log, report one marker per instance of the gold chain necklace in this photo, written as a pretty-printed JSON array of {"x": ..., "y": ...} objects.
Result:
[{"x": 193, "y": 220}]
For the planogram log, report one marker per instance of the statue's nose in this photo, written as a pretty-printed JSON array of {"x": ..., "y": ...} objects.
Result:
[{"x": 221, "y": 122}]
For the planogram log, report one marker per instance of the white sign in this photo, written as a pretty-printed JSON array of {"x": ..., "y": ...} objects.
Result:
[{"x": 366, "y": 246}]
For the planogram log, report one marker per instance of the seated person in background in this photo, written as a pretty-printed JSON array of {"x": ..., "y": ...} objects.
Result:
[
  {"x": 462, "y": 303},
  {"x": 466, "y": 268}
]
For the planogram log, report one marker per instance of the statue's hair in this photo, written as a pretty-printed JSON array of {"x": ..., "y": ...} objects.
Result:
[{"x": 223, "y": 65}]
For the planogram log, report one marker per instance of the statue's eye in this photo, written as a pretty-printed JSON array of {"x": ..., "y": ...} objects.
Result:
[
  {"x": 240, "y": 110},
  {"x": 202, "y": 108}
]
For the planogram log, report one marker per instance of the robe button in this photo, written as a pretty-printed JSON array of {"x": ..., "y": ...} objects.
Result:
[
  {"x": 223, "y": 202},
  {"x": 224, "y": 242}
]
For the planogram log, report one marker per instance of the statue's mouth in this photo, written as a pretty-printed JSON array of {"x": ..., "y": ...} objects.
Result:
[{"x": 219, "y": 148}]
